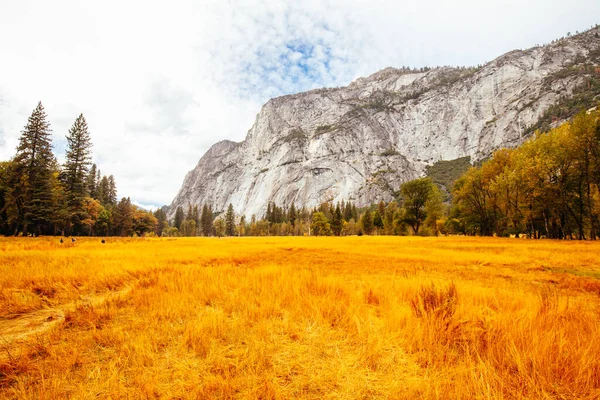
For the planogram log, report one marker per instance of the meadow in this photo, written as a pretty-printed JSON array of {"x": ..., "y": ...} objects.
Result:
[{"x": 300, "y": 317}]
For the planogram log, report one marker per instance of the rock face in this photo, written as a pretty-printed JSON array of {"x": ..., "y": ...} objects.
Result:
[{"x": 362, "y": 141}]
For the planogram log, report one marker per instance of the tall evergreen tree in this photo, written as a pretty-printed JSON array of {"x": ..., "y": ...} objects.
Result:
[
  {"x": 76, "y": 170},
  {"x": 292, "y": 215},
  {"x": 124, "y": 217},
  {"x": 269, "y": 215},
  {"x": 112, "y": 190},
  {"x": 378, "y": 220},
  {"x": 348, "y": 211},
  {"x": 367, "y": 222},
  {"x": 104, "y": 191},
  {"x": 196, "y": 216},
  {"x": 337, "y": 221},
  {"x": 230, "y": 221},
  {"x": 162, "y": 222},
  {"x": 32, "y": 173},
  {"x": 92, "y": 183},
  {"x": 179, "y": 218},
  {"x": 207, "y": 220}
]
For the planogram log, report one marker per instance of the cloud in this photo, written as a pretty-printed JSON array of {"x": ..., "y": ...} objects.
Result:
[{"x": 159, "y": 82}]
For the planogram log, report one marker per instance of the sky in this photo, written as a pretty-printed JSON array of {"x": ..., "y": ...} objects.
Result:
[{"x": 159, "y": 82}]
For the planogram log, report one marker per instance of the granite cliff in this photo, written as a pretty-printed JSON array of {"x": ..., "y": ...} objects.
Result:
[{"x": 362, "y": 141}]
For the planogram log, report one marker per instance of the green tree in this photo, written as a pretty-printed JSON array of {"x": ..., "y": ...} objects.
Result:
[
  {"x": 434, "y": 209},
  {"x": 143, "y": 221},
  {"x": 320, "y": 225},
  {"x": 112, "y": 190},
  {"x": 292, "y": 214},
  {"x": 219, "y": 227},
  {"x": 230, "y": 221},
  {"x": 124, "y": 217},
  {"x": 378, "y": 221},
  {"x": 103, "y": 191},
  {"x": 30, "y": 183},
  {"x": 207, "y": 220},
  {"x": 92, "y": 183},
  {"x": 103, "y": 223},
  {"x": 415, "y": 194},
  {"x": 6, "y": 214},
  {"x": 76, "y": 170},
  {"x": 179, "y": 218},
  {"x": 162, "y": 222},
  {"x": 337, "y": 221},
  {"x": 367, "y": 222},
  {"x": 242, "y": 226}
]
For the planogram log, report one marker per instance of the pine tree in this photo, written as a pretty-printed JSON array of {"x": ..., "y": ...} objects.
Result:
[
  {"x": 179, "y": 218},
  {"x": 348, "y": 211},
  {"x": 269, "y": 215},
  {"x": 162, "y": 223},
  {"x": 112, "y": 190},
  {"x": 242, "y": 226},
  {"x": 230, "y": 221},
  {"x": 337, "y": 221},
  {"x": 31, "y": 176},
  {"x": 92, "y": 183},
  {"x": 76, "y": 170},
  {"x": 196, "y": 215},
  {"x": 292, "y": 215},
  {"x": 206, "y": 220},
  {"x": 377, "y": 220},
  {"x": 367, "y": 222},
  {"x": 104, "y": 191},
  {"x": 124, "y": 218}
]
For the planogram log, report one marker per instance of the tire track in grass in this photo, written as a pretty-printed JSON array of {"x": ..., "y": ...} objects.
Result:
[{"x": 27, "y": 328}]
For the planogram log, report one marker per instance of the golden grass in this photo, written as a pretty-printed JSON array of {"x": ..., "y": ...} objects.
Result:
[{"x": 314, "y": 318}]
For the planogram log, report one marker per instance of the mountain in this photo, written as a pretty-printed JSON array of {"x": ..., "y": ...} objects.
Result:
[{"x": 362, "y": 141}]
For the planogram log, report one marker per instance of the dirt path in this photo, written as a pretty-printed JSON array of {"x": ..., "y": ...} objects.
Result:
[{"x": 26, "y": 328}]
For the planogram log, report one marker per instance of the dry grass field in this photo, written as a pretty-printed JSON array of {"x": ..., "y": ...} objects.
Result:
[{"x": 313, "y": 318}]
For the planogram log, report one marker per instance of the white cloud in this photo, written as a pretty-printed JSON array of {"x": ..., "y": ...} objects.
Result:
[{"x": 159, "y": 82}]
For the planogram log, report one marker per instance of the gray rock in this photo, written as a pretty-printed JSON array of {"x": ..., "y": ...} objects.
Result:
[{"x": 362, "y": 141}]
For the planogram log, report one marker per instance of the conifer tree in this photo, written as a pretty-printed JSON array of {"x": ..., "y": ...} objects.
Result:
[
  {"x": 292, "y": 215},
  {"x": 124, "y": 217},
  {"x": 196, "y": 216},
  {"x": 76, "y": 170},
  {"x": 230, "y": 221},
  {"x": 337, "y": 221},
  {"x": 179, "y": 218},
  {"x": 367, "y": 222},
  {"x": 92, "y": 183},
  {"x": 207, "y": 220},
  {"x": 162, "y": 223},
  {"x": 104, "y": 191},
  {"x": 377, "y": 220},
  {"x": 112, "y": 190},
  {"x": 269, "y": 215},
  {"x": 31, "y": 176},
  {"x": 348, "y": 211},
  {"x": 242, "y": 226}
]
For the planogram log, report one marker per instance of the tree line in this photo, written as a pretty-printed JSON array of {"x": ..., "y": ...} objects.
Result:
[
  {"x": 40, "y": 197},
  {"x": 418, "y": 211},
  {"x": 548, "y": 187}
]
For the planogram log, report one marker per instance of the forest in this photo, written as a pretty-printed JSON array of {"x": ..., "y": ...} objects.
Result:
[{"x": 40, "y": 197}]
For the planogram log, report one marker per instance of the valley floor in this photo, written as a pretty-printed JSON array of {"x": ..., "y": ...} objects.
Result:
[{"x": 299, "y": 317}]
